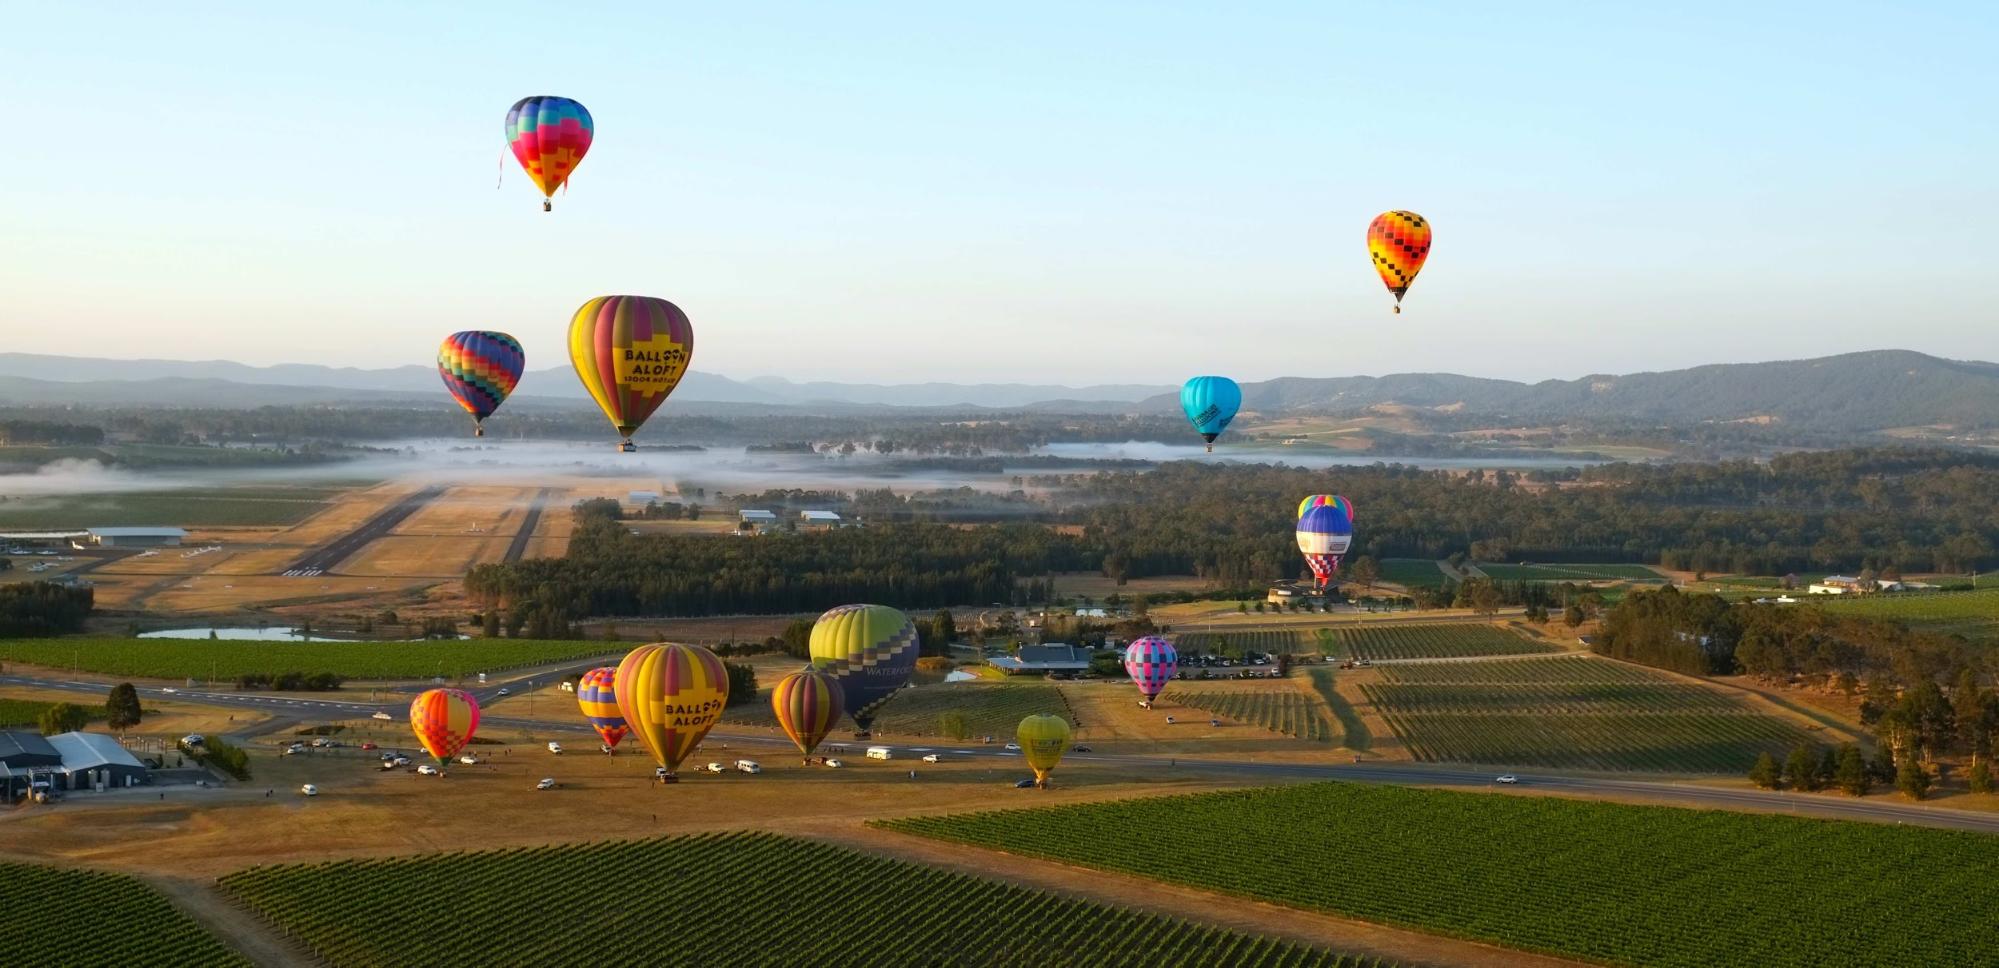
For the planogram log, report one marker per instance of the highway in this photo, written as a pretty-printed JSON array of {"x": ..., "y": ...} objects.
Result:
[
  {"x": 328, "y": 556},
  {"x": 1685, "y": 793},
  {"x": 519, "y": 545}
]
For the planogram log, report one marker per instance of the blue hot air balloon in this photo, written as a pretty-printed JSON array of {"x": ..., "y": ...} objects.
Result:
[{"x": 1210, "y": 402}]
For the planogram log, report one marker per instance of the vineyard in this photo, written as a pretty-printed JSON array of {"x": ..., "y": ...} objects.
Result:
[
  {"x": 1573, "y": 713},
  {"x": 51, "y": 916},
  {"x": 1279, "y": 710},
  {"x": 1425, "y": 642},
  {"x": 1354, "y": 734},
  {"x": 1575, "y": 573},
  {"x": 224, "y": 659},
  {"x": 1234, "y": 644},
  {"x": 1412, "y": 572},
  {"x": 718, "y": 899},
  {"x": 990, "y": 708},
  {"x": 1974, "y": 615},
  {"x": 1600, "y": 881},
  {"x": 28, "y": 712}
]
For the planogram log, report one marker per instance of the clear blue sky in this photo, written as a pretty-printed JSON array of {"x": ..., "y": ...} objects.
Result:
[{"x": 1051, "y": 192}]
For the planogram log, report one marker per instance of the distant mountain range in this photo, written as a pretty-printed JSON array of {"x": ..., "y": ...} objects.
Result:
[{"x": 1866, "y": 391}]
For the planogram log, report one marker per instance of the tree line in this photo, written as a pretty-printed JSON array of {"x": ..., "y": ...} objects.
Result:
[{"x": 41, "y": 609}]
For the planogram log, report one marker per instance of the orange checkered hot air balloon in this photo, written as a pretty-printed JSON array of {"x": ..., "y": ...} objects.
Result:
[
  {"x": 1398, "y": 242},
  {"x": 444, "y": 721}
]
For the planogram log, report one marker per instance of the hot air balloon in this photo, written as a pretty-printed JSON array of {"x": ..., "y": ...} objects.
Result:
[
  {"x": 808, "y": 705},
  {"x": 1318, "y": 500},
  {"x": 1150, "y": 662},
  {"x": 444, "y": 721},
  {"x": 1210, "y": 403},
  {"x": 1398, "y": 243},
  {"x": 480, "y": 368},
  {"x": 597, "y": 694},
  {"x": 671, "y": 695},
  {"x": 1043, "y": 739},
  {"x": 630, "y": 352},
  {"x": 549, "y": 136},
  {"x": 1324, "y": 533},
  {"x": 871, "y": 650}
]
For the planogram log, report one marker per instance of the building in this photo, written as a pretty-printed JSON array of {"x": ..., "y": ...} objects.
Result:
[
  {"x": 15, "y": 541},
  {"x": 820, "y": 520},
  {"x": 136, "y": 537},
  {"x": 69, "y": 761},
  {"x": 750, "y": 519},
  {"x": 1054, "y": 657},
  {"x": 1849, "y": 585}
]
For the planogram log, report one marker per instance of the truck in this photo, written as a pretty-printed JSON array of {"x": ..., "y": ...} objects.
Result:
[{"x": 880, "y": 753}]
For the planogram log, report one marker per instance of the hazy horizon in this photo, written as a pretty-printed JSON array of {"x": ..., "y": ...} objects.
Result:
[{"x": 1042, "y": 194}]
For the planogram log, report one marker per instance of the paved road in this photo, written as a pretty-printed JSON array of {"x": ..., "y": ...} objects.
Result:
[
  {"x": 1407, "y": 774},
  {"x": 328, "y": 556},
  {"x": 528, "y": 522}
]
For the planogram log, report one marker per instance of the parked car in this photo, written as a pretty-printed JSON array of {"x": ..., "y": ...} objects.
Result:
[
  {"x": 192, "y": 739},
  {"x": 834, "y": 764},
  {"x": 368, "y": 746},
  {"x": 294, "y": 749},
  {"x": 1013, "y": 747},
  {"x": 555, "y": 748},
  {"x": 933, "y": 758},
  {"x": 503, "y": 691},
  {"x": 547, "y": 783},
  {"x": 748, "y": 766},
  {"x": 714, "y": 768},
  {"x": 1079, "y": 748},
  {"x": 1025, "y": 784},
  {"x": 661, "y": 773},
  {"x": 468, "y": 759},
  {"x": 388, "y": 764},
  {"x": 308, "y": 790},
  {"x": 401, "y": 761},
  {"x": 383, "y": 716},
  {"x": 428, "y": 770}
]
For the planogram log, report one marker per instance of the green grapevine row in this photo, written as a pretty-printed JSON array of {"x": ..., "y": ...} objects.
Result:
[
  {"x": 1284, "y": 711},
  {"x": 56, "y": 917}
]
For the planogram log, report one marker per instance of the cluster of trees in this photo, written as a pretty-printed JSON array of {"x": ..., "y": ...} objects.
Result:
[
  {"x": 49, "y": 433},
  {"x": 63, "y": 717},
  {"x": 1810, "y": 768},
  {"x": 290, "y": 681},
  {"x": 41, "y": 609}
]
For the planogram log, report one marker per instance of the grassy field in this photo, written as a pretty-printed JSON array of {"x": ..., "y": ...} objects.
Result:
[
  {"x": 1609, "y": 882},
  {"x": 1234, "y": 644},
  {"x": 719, "y": 899},
  {"x": 1577, "y": 573},
  {"x": 211, "y": 507},
  {"x": 28, "y": 712},
  {"x": 51, "y": 916},
  {"x": 990, "y": 708},
  {"x": 1279, "y": 709},
  {"x": 222, "y": 659},
  {"x": 1974, "y": 615},
  {"x": 1574, "y": 713},
  {"x": 1425, "y": 642},
  {"x": 1412, "y": 572}
]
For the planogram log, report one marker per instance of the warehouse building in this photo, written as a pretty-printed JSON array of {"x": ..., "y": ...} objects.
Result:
[
  {"x": 1040, "y": 659},
  {"x": 65, "y": 762},
  {"x": 820, "y": 520},
  {"x": 136, "y": 537}
]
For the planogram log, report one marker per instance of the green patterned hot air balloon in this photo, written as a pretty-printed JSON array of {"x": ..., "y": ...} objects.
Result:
[{"x": 871, "y": 650}]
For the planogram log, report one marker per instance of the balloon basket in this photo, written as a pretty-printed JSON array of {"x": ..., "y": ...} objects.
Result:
[
  {"x": 478, "y": 431},
  {"x": 627, "y": 447},
  {"x": 670, "y": 778},
  {"x": 548, "y": 206}
]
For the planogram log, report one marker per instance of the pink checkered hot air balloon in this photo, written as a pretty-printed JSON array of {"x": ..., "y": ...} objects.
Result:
[{"x": 1151, "y": 662}]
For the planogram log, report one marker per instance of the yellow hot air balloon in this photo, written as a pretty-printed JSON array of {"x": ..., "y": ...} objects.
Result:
[
  {"x": 1043, "y": 739},
  {"x": 671, "y": 695},
  {"x": 630, "y": 352}
]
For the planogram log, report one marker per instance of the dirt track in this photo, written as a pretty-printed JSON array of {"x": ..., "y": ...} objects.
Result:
[{"x": 234, "y": 926}]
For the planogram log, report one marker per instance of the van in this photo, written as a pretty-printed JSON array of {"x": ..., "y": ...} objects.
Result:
[
  {"x": 555, "y": 748},
  {"x": 748, "y": 766},
  {"x": 879, "y": 753}
]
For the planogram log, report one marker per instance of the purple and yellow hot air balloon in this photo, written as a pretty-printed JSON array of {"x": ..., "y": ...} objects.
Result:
[
  {"x": 630, "y": 352},
  {"x": 444, "y": 721},
  {"x": 597, "y": 694},
  {"x": 871, "y": 650},
  {"x": 480, "y": 368},
  {"x": 671, "y": 695},
  {"x": 1150, "y": 662},
  {"x": 1398, "y": 242},
  {"x": 808, "y": 704},
  {"x": 549, "y": 136}
]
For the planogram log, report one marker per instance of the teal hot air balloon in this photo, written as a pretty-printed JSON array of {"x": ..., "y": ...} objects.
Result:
[{"x": 1210, "y": 402}]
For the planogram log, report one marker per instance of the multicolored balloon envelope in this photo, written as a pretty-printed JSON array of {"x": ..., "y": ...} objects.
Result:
[
  {"x": 1324, "y": 534},
  {"x": 808, "y": 704},
  {"x": 1043, "y": 739},
  {"x": 671, "y": 695},
  {"x": 549, "y": 136},
  {"x": 1321, "y": 500},
  {"x": 630, "y": 352},
  {"x": 1210, "y": 403},
  {"x": 871, "y": 650},
  {"x": 444, "y": 720},
  {"x": 1151, "y": 662},
  {"x": 1398, "y": 242},
  {"x": 480, "y": 368},
  {"x": 597, "y": 694}
]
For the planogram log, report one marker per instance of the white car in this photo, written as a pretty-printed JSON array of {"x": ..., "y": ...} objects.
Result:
[
  {"x": 428, "y": 770},
  {"x": 308, "y": 790},
  {"x": 468, "y": 759},
  {"x": 294, "y": 749},
  {"x": 384, "y": 716},
  {"x": 715, "y": 768},
  {"x": 933, "y": 758},
  {"x": 835, "y": 764},
  {"x": 1508, "y": 778},
  {"x": 555, "y": 748},
  {"x": 547, "y": 783},
  {"x": 401, "y": 761},
  {"x": 1013, "y": 747},
  {"x": 503, "y": 691},
  {"x": 170, "y": 690}
]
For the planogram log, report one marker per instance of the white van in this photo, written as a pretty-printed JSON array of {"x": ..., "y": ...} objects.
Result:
[
  {"x": 748, "y": 766},
  {"x": 879, "y": 753},
  {"x": 555, "y": 748}
]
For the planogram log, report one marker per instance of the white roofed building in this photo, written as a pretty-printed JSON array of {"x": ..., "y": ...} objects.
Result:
[{"x": 136, "y": 537}]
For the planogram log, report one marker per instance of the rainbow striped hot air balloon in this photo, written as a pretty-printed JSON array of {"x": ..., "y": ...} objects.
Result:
[
  {"x": 1398, "y": 242},
  {"x": 1320, "y": 500},
  {"x": 597, "y": 694},
  {"x": 871, "y": 650},
  {"x": 480, "y": 368},
  {"x": 444, "y": 721},
  {"x": 1043, "y": 739},
  {"x": 671, "y": 695},
  {"x": 808, "y": 704},
  {"x": 549, "y": 136},
  {"x": 1324, "y": 532},
  {"x": 1151, "y": 662},
  {"x": 630, "y": 352}
]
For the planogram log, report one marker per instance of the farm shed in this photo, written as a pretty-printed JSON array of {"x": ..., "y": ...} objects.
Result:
[
  {"x": 1055, "y": 657},
  {"x": 136, "y": 537}
]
